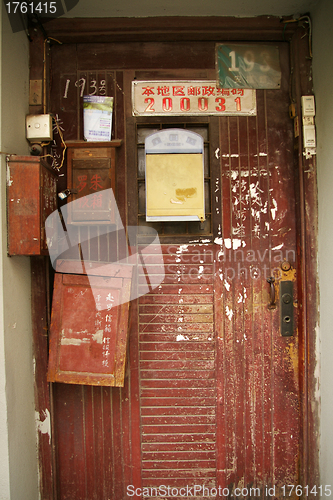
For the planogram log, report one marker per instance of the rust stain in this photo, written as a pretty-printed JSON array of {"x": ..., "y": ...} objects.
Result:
[
  {"x": 289, "y": 275},
  {"x": 182, "y": 194},
  {"x": 292, "y": 353}
]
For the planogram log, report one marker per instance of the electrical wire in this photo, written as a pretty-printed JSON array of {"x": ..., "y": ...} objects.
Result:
[
  {"x": 308, "y": 19},
  {"x": 46, "y": 156},
  {"x": 63, "y": 143}
]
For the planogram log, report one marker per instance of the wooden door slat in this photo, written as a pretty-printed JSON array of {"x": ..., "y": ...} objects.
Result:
[{"x": 176, "y": 409}]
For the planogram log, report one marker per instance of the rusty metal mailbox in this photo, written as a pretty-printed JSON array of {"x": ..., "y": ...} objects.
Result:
[
  {"x": 31, "y": 198},
  {"x": 89, "y": 324}
]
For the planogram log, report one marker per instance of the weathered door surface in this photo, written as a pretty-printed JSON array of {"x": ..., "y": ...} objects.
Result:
[{"x": 211, "y": 403}]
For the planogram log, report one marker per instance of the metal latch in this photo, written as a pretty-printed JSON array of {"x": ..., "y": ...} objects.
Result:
[{"x": 286, "y": 308}]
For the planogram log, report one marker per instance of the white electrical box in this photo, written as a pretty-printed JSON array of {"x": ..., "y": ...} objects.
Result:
[
  {"x": 309, "y": 130},
  {"x": 308, "y": 105},
  {"x": 309, "y": 135},
  {"x": 39, "y": 128}
]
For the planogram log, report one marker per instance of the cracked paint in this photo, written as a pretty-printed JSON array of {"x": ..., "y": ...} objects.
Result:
[
  {"x": 229, "y": 313},
  {"x": 44, "y": 426}
]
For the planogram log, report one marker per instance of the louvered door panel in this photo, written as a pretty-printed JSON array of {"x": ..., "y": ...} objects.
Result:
[{"x": 177, "y": 371}]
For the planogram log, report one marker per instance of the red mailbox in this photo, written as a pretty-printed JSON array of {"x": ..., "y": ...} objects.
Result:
[
  {"x": 31, "y": 198},
  {"x": 89, "y": 324},
  {"x": 91, "y": 168}
]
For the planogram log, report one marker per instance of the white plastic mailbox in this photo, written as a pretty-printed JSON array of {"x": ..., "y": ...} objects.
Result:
[{"x": 174, "y": 176}]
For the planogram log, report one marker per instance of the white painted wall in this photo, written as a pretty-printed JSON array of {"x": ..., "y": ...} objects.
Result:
[
  {"x": 18, "y": 451},
  {"x": 323, "y": 81},
  {"x": 146, "y": 8}
]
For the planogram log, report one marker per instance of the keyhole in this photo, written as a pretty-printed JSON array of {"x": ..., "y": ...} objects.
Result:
[{"x": 287, "y": 319}]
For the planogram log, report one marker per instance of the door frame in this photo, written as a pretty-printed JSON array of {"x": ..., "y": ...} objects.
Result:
[{"x": 197, "y": 29}]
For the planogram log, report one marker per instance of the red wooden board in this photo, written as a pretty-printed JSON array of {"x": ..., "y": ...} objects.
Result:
[{"x": 88, "y": 335}]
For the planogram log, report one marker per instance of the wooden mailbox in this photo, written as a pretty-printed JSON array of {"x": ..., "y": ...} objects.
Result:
[
  {"x": 89, "y": 324},
  {"x": 91, "y": 168},
  {"x": 31, "y": 198}
]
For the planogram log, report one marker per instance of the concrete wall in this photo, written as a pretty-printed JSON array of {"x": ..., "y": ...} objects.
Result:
[
  {"x": 323, "y": 80},
  {"x": 18, "y": 455},
  {"x": 149, "y": 8}
]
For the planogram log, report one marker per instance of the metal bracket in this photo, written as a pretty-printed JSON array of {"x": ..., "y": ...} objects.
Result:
[{"x": 286, "y": 308}]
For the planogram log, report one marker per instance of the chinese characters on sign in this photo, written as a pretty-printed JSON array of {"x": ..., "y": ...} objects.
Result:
[
  {"x": 95, "y": 182},
  {"x": 90, "y": 174},
  {"x": 109, "y": 323},
  {"x": 89, "y": 186},
  {"x": 156, "y": 98},
  {"x": 89, "y": 183}
]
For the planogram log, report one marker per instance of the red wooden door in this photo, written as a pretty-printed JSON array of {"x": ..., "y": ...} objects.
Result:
[
  {"x": 211, "y": 397},
  {"x": 219, "y": 385},
  {"x": 257, "y": 368}
]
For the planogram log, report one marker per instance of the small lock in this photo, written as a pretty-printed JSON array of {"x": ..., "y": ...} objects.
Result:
[{"x": 285, "y": 266}]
